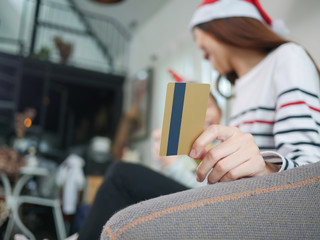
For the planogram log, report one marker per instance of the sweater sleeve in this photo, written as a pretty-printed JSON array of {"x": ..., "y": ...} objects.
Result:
[{"x": 297, "y": 120}]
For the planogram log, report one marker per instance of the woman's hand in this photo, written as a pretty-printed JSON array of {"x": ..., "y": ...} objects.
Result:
[
  {"x": 164, "y": 160},
  {"x": 237, "y": 156}
]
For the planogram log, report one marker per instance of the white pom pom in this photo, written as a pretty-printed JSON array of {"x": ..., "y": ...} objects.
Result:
[{"x": 280, "y": 28}]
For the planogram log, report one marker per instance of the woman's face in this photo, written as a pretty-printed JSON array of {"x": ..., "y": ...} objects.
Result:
[
  {"x": 213, "y": 114},
  {"x": 216, "y": 52}
]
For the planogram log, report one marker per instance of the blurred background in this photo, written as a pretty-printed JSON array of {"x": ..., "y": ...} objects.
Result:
[{"x": 87, "y": 78}]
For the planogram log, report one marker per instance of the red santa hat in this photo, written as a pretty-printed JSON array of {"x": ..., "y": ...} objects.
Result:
[{"x": 217, "y": 9}]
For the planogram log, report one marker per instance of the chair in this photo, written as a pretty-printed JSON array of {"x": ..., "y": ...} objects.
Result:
[
  {"x": 14, "y": 199},
  {"x": 284, "y": 205}
]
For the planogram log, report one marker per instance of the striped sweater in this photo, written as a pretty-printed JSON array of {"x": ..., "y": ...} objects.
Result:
[{"x": 278, "y": 103}]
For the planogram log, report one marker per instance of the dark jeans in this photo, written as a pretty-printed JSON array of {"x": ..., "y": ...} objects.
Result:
[{"x": 124, "y": 184}]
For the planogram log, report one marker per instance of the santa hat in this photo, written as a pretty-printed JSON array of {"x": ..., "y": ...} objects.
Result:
[{"x": 217, "y": 9}]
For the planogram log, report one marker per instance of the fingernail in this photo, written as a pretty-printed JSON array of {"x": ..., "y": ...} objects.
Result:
[
  {"x": 198, "y": 179},
  {"x": 193, "y": 153}
]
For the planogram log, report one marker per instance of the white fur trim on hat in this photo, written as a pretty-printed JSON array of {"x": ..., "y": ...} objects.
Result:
[
  {"x": 279, "y": 27},
  {"x": 224, "y": 9}
]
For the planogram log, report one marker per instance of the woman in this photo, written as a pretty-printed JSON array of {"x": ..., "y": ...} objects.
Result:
[{"x": 275, "y": 116}]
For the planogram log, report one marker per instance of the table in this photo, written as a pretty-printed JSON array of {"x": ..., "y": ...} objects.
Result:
[{"x": 14, "y": 199}]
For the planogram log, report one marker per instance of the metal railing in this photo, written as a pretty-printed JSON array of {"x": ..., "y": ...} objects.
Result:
[{"x": 98, "y": 42}]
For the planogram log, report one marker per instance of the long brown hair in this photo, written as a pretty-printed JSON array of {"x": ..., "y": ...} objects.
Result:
[{"x": 244, "y": 32}]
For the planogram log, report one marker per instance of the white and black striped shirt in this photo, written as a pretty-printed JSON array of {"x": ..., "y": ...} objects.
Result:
[{"x": 278, "y": 103}]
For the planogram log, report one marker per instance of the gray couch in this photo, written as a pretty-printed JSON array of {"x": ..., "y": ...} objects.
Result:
[{"x": 283, "y": 205}]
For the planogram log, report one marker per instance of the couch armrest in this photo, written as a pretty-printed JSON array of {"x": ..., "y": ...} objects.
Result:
[{"x": 278, "y": 206}]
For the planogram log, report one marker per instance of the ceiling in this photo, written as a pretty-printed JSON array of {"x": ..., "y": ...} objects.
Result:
[{"x": 130, "y": 13}]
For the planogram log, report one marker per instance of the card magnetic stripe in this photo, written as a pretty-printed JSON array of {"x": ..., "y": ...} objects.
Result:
[{"x": 176, "y": 118}]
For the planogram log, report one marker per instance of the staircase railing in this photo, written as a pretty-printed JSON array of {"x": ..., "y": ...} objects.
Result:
[{"x": 99, "y": 42}]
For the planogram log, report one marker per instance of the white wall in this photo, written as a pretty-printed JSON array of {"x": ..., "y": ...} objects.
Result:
[
  {"x": 167, "y": 35},
  {"x": 163, "y": 36},
  {"x": 126, "y": 12},
  {"x": 303, "y": 20}
]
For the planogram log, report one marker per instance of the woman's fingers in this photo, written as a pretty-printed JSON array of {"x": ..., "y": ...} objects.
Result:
[
  {"x": 156, "y": 134},
  {"x": 213, "y": 156},
  {"x": 229, "y": 160},
  {"x": 244, "y": 170},
  {"x": 226, "y": 166},
  {"x": 156, "y": 149},
  {"x": 208, "y": 136}
]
